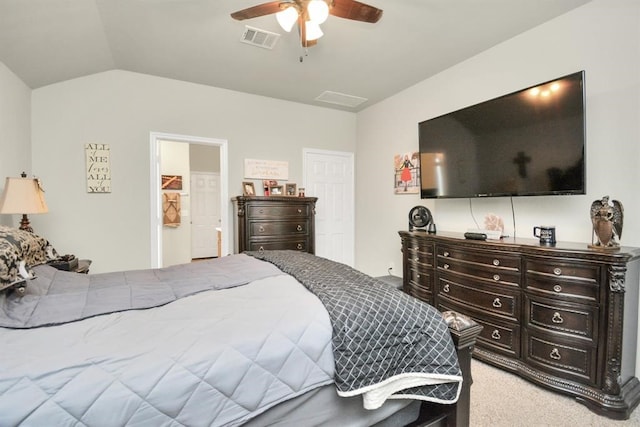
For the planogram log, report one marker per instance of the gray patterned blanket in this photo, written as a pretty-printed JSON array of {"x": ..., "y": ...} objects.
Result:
[{"x": 386, "y": 344}]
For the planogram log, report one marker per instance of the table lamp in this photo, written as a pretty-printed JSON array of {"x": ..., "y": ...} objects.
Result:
[{"x": 23, "y": 196}]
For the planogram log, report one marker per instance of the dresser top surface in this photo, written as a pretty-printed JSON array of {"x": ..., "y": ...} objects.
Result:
[
  {"x": 291, "y": 199},
  {"x": 528, "y": 245}
]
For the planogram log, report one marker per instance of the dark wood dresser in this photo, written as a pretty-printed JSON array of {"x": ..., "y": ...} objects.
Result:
[
  {"x": 563, "y": 316},
  {"x": 275, "y": 222}
]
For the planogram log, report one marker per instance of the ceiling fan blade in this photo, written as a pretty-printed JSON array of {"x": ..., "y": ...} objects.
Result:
[
  {"x": 256, "y": 11},
  {"x": 354, "y": 10}
]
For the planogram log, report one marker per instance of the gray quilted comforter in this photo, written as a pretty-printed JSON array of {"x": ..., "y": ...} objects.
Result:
[{"x": 213, "y": 358}]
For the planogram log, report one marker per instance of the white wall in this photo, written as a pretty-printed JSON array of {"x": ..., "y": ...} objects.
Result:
[
  {"x": 15, "y": 133},
  {"x": 121, "y": 109},
  {"x": 602, "y": 38}
]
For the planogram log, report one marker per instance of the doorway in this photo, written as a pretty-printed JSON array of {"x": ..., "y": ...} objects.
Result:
[{"x": 156, "y": 223}]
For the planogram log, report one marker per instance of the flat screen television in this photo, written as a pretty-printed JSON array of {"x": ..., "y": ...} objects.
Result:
[{"x": 526, "y": 143}]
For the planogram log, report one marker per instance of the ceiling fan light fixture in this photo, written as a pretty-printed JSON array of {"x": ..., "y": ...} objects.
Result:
[
  {"x": 287, "y": 18},
  {"x": 313, "y": 31},
  {"x": 318, "y": 11}
]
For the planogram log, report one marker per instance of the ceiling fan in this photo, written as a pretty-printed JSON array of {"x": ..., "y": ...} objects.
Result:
[{"x": 309, "y": 14}]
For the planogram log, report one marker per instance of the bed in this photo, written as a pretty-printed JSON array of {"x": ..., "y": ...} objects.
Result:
[{"x": 266, "y": 338}]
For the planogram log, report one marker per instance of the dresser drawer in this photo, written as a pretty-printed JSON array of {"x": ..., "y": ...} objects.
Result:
[
  {"x": 499, "y": 301},
  {"x": 278, "y": 211},
  {"x": 279, "y": 228},
  {"x": 499, "y": 337},
  {"x": 420, "y": 278},
  {"x": 565, "y": 289},
  {"x": 562, "y": 270},
  {"x": 578, "y": 320},
  {"x": 288, "y": 244},
  {"x": 419, "y": 255},
  {"x": 481, "y": 258},
  {"x": 563, "y": 358},
  {"x": 494, "y": 275},
  {"x": 415, "y": 245}
]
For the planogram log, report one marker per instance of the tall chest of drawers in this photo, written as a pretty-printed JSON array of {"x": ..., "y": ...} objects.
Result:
[
  {"x": 563, "y": 316},
  {"x": 275, "y": 222}
]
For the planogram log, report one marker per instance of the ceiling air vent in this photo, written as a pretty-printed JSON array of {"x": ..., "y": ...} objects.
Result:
[
  {"x": 340, "y": 99},
  {"x": 260, "y": 38}
]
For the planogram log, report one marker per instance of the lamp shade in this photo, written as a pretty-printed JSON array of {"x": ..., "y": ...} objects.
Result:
[
  {"x": 22, "y": 196},
  {"x": 318, "y": 11},
  {"x": 287, "y": 17},
  {"x": 314, "y": 31}
]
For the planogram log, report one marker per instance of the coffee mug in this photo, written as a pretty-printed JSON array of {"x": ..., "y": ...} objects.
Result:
[{"x": 546, "y": 234}]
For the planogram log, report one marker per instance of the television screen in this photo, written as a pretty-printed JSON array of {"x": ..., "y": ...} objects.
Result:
[{"x": 530, "y": 142}]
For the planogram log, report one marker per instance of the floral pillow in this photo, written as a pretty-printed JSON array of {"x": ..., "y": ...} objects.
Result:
[{"x": 17, "y": 246}]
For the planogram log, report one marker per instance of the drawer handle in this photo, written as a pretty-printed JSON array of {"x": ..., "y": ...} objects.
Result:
[
  {"x": 261, "y": 229},
  {"x": 416, "y": 248},
  {"x": 299, "y": 246},
  {"x": 555, "y": 354},
  {"x": 446, "y": 266},
  {"x": 557, "y": 318},
  {"x": 261, "y": 249},
  {"x": 299, "y": 227},
  {"x": 557, "y": 288},
  {"x": 496, "y": 277},
  {"x": 445, "y": 254},
  {"x": 445, "y": 288},
  {"x": 261, "y": 211},
  {"x": 416, "y": 259},
  {"x": 496, "y": 303},
  {"x": 299, "y": 210},
  {"x": 496, "y": 334},
  {"x": 496, "y": 262},
  {"x": 557, "y": 271}
]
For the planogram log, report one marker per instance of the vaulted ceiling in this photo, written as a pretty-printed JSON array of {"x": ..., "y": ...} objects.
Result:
[{"x": 48, "y": 41}]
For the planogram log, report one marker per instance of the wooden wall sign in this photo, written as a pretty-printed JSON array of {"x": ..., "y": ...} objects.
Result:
[
  {"x": 266, "y": 169},
  {"x": 171, "y": 182},
  {"x": 98, "y": 168}
]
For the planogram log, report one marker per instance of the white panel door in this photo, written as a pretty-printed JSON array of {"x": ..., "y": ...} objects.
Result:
[
  {"x": 328, "y": 175},
  {"x": 205, "y": 214}
]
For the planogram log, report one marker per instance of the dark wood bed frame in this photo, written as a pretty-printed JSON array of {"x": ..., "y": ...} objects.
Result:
[{"x": 464, "y": 332}]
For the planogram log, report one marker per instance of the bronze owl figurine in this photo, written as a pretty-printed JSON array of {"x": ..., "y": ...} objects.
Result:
[{"x": 606, "y": 218}]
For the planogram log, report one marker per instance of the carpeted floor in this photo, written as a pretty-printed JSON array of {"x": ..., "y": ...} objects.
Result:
[{"x": 499, "y": 398}]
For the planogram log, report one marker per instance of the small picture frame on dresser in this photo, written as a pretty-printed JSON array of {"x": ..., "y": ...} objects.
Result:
[
  {"x": 291, "y": 189},
  {"x": 276, "y": 190},
  {"x": 248, "y": 189}
]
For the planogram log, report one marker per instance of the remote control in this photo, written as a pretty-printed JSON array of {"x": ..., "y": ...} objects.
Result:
[{"x": 475, "y": 236}]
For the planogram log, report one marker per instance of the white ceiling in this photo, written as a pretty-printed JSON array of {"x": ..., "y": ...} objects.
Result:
[{"x": 48, "y": 41}]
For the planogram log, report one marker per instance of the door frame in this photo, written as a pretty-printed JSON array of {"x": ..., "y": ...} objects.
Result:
[{"x": 155, "y": 183}]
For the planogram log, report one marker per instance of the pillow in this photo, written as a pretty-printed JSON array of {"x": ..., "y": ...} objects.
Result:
[{"x": 18, "y": 246}]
